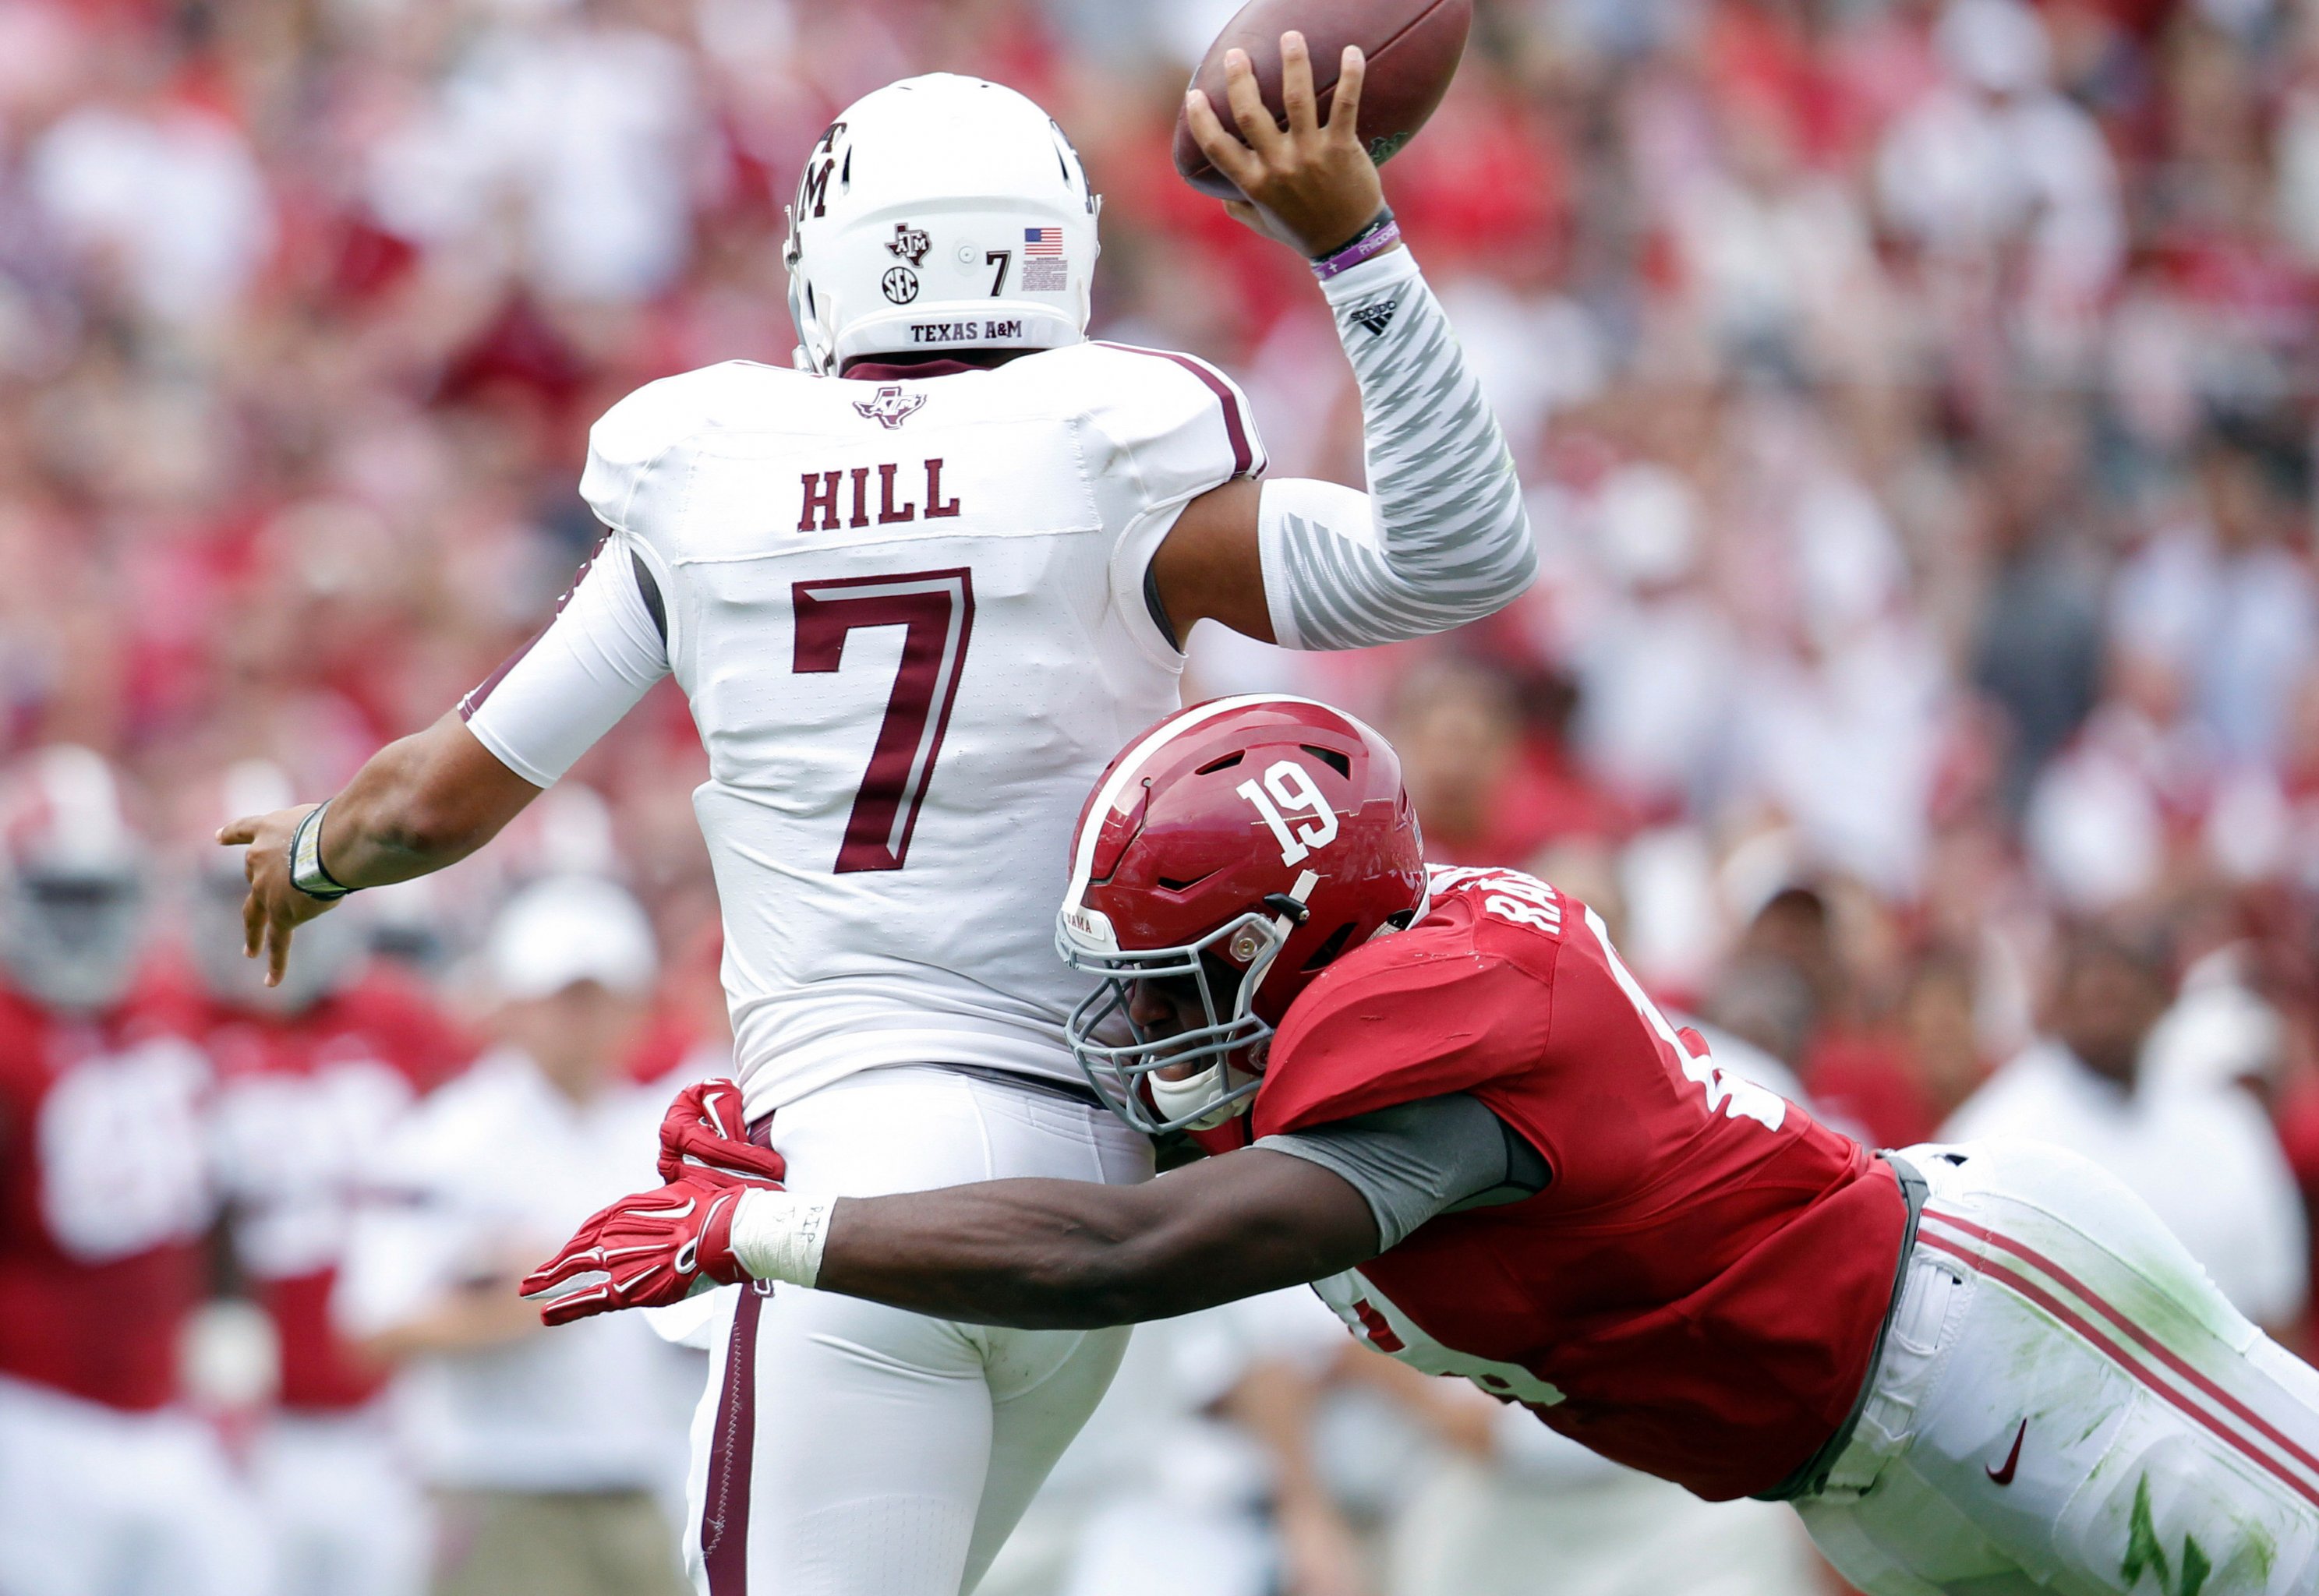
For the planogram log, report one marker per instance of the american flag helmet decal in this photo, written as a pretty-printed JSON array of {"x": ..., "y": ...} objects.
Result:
[{"x": 1042, "y": 241}]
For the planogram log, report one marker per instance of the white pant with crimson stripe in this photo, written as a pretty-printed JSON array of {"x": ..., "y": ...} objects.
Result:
[
  {"x": 844, "y": 1448},
  {"x": 2067, "y": 1405}
]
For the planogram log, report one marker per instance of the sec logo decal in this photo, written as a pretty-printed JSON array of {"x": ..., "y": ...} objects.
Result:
[{"x": 900, "y": 284}]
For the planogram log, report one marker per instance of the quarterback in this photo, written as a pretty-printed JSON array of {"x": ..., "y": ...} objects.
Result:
[
  {"x": 1439, "y": 1096},
  {"x": 917, "y": 589}
]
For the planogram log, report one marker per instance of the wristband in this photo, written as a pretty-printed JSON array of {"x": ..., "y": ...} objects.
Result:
[
  {"x": 1379, "y": 236},
  {"x": 308, "y": 874},
  {"x": 779, "y": 1235}
]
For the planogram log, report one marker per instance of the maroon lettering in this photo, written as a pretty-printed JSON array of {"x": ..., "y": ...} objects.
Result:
[
  {"x": 820, "y": 493},
  {"x": 935, "y": 505},
  {"x": 936, "y": 609},
  {"x": 888, "y": 511},
  {"x": 860, "y": 497}
]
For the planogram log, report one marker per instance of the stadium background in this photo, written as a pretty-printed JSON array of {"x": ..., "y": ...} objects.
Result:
[{"x": 1915, "y": 401}]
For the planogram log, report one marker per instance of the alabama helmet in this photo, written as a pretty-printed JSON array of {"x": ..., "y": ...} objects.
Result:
[
  {"x": 72, "y": 898},
  {"x": 939, "y": 213},
  {"x": 1242, "y": 844}
]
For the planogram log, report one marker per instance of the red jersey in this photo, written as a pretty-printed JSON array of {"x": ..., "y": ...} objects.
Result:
[
  {"x": 105, "y": 1195},
  {"x": 303, "y": 1099},
  {"x": 1696, "y": 1292}
]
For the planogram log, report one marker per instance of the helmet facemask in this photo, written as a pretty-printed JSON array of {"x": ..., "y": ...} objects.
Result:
[
  {"x": 72, "y": 939},
  {"x": 1194, "y": 1080}
]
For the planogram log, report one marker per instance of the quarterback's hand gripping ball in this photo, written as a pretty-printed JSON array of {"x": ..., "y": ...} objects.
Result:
[{"x": 1262, "y": 106}]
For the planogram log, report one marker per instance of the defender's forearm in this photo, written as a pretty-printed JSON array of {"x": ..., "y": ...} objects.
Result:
[
  {"x": 1035, "y": 1254},
  {"x": 1071, "y": 1254}
]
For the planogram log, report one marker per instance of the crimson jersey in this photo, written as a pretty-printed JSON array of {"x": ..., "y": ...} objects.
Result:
[
  {"x": 301, "y": 1100},
  {"x": 1697, "y": 1292},
  {"x": 105, "y": 1194}
]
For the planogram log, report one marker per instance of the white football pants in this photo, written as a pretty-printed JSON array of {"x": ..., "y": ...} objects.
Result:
[
  {"x": 2067, "y": 1405},
  {"x": 95, "y": 1502},
  {"x": 844, "y": 1448}
]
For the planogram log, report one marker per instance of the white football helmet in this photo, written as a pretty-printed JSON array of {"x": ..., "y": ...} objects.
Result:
[
  {"x": 940, "y": 214},
  {"x": 72, "y": 898}
]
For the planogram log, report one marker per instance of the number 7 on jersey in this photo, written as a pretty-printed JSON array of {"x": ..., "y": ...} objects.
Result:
[{"x": 936, "y": 609}]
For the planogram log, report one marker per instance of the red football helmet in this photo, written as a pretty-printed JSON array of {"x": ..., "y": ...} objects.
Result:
[{"x": 1243, "y": 843}]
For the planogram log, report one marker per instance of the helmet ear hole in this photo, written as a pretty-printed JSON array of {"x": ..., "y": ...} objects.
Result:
[{"x": 1326, "y": 954}]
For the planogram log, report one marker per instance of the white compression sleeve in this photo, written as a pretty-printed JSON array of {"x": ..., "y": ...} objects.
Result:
[
  {"x": 542, "y": 711},
  {"x": 779, "y": 1235},
  {"x": 1442, "y": 536}
]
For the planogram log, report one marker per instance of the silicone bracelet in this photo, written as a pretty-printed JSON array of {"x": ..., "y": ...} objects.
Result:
[
  {"x": 308, "y": 873},
  {"x": 1371, "y": 241}
]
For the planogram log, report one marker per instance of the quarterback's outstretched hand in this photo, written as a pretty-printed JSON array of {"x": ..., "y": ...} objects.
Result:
[
  {"x": 704, "y": 1132},
  {"x": 274, "y": 907},
  {"x": 647, "y": 1250},
  {"x": 1311, "y": 183}
]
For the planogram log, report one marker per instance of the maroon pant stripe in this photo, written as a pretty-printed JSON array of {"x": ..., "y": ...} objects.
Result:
[
  {"x": 2124, "y": 1360},
  {"x": 725, "y": 1503},
  {"x": 2142, "y": 1337}
]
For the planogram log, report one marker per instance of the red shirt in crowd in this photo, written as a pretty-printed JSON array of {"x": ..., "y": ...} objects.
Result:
[
  {"x": 301, "y": 1101},
  {"x": 105, "y": 1195}
]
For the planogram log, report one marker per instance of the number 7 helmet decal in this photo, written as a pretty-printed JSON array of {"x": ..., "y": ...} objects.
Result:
[{"x": 1239, "y": 845}]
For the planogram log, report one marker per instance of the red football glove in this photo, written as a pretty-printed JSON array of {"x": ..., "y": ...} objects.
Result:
[
  {"x": 647, "y": 1250},
  {"x": 704, "y": 1131}
]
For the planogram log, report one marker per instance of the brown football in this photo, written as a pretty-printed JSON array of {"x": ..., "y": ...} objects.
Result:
[{"x": 1412, "y": 46}]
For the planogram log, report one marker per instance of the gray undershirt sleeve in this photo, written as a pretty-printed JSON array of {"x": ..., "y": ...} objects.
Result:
[{"x": 1419, "y": 1159}]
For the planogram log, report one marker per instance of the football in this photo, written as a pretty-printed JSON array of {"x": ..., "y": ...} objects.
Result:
[{"x": 1412, "y": 46}]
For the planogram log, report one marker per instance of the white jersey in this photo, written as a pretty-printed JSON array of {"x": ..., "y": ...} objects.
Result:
[{"x": 910, "y": 618}]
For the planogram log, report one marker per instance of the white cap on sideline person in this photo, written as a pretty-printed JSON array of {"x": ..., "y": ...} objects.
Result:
[{"x": 568, "y": 929}]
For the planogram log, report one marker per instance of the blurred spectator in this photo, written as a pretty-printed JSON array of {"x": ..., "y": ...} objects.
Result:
[
  {"x": 311, "y": 1076},
  {"x": 1523, "y": 1510},
  {"x": 1489, "y": 788},
  {"x": 1208, "y": 1430},
  {"x": 107, "y": 1483},
  {"x": 553, "y": 1456},
  {"x": 2203, "y": 1157},
  {"x": 1915, "y": 400}
]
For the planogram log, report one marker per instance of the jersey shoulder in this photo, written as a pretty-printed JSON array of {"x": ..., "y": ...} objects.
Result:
[
  {"x": 639, "y": 432},
  {"x": 1186, "y": 425},
  {"x": 1462, "y": 998}
]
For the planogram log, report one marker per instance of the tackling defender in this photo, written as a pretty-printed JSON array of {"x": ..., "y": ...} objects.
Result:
[
  {"x": 917, "y": 591},
  {"x": 1438, "y": 1096}
]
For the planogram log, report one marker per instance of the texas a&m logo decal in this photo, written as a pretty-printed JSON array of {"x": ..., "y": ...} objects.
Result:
[
  {"x": 909, "y": 243},
  {"x": 892, "y": 405}
]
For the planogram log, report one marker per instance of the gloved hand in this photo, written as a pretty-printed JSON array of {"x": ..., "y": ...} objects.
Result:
[
  {"x": 704, "y": 1131},
  {"x": 647, "y": 1250}
]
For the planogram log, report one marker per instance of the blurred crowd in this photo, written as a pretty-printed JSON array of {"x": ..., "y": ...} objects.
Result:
[{"x": 1917, "y": 406}]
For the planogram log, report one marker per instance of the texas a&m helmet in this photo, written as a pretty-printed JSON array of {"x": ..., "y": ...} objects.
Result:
[
  {"x": 1242, "y": 844},
  {"x": 937, "y": 214}
]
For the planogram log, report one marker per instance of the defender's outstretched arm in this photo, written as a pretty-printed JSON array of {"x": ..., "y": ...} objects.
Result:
[
  {"x": 1064, "y": 1255},
  {"x": 1037, "y": 1254}
]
